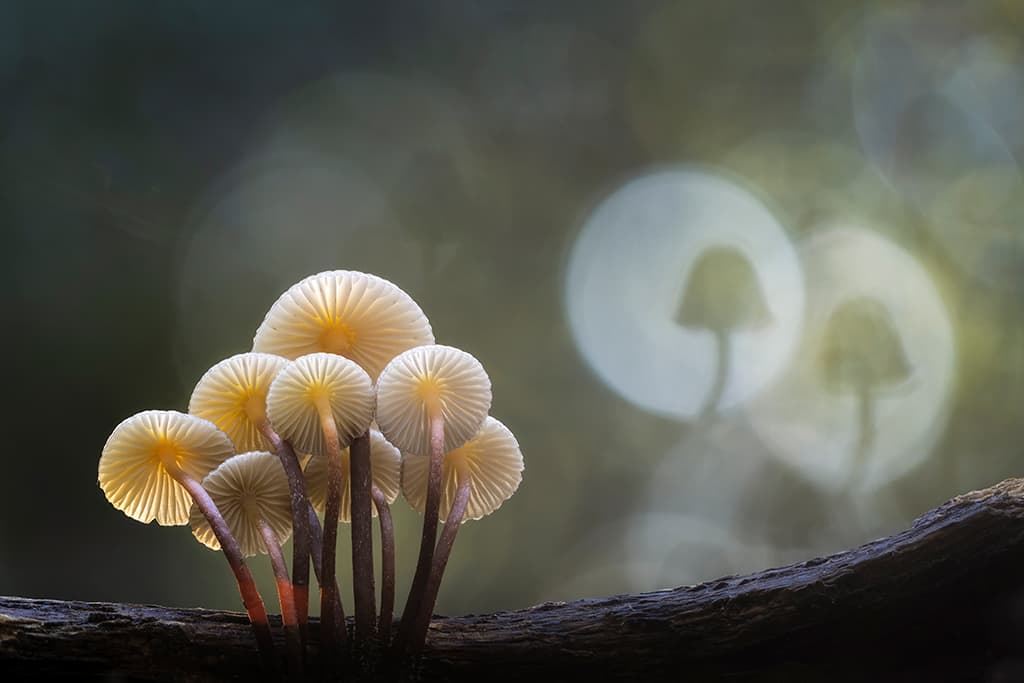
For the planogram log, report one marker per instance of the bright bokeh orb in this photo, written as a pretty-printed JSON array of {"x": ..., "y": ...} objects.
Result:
[{"x": 627, "y": 277}]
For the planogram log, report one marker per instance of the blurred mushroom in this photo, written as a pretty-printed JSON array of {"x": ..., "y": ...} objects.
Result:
[
  {"x": 151, "y": 466},
  {"x": 861, "y": 353},
  {"x": 320, "y": 403},
  {"x": 386, "y": 462},
  {"x": 369, "y": 320},
  {"x": 251, "y": 491},
  {"x": 233, "y": 395},
  {"x": 477, "y": 478},
  {"x": 722, "y": 295},
  {"x": 430, "y": 400}
]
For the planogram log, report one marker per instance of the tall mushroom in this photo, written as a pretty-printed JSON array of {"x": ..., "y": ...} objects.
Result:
[
  {"x": 233, "y": 395},
  {"x": 151, "y": 468},
  {"x": 320, "y": 403},
  {"x": 430, "y": 400},
  {"x": 477, "y": 478},
  {"x": 252, "y": 493},
  {"x": 369, "y": 320},
  {"x": 722, "y": 296},
  {"x": 862, "y": 353},
  {"x": 386, "y": 463}
]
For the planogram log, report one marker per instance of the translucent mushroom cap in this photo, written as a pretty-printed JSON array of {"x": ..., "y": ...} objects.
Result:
[
  {"x": 385, "y": 462},
  {"x": 493, "y": 461},
  {"x": 132, "y": 473},
  {"x": 247, "y": 488},
  {"x": 233, "y": 395},
  {"x": 722, "y": 293},
  {"x": 861, "y": 350},
  {"x": 296, "y": 394},
  {"x": 352, "y": 314},
  {"x": 427, "y": 378}
]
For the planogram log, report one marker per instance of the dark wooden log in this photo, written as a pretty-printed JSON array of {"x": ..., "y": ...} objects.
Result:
[{"x": 941, "y": 601}]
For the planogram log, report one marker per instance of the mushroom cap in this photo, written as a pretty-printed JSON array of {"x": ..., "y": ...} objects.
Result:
[
  {"x": 723, "y": 294},
  {"x": 134, "y": 479},
  {"x": 352, "y": 314},
  {"x": 246, "y": 488},
  {"x": 385, "y": 463},
  {"x": 233, "y": 395},
  {"x": 292, "y": 400},
  {"x": 494, "y": 463},
  {"x": 861, "y": 350},
  {"x": 452, "y": 377}
]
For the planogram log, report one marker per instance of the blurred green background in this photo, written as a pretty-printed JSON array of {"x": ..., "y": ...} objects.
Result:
[{"x": 542, "y": 178}]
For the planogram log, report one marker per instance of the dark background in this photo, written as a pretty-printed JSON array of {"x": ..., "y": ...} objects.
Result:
[{"x": 169, "y": 168}]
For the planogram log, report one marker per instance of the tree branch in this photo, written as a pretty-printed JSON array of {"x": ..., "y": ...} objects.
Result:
[{"x": 943, "y": 600}]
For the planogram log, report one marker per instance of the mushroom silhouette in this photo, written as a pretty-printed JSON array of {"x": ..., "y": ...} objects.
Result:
[
  {"x": 320, "y": 403},
  {"x": 430, "y": 400},
  {"x": 477, "y": 478},
  {"x": 369, "y": 320},
  {"x": 150, "y": 468},
  {"x": 251, "y": 490},
  {"x": 233, "y": 395},
  {"x": 386, "y": 463},
  {"x": 722, "y": 295},
  {"x": 862, "y": 353}
]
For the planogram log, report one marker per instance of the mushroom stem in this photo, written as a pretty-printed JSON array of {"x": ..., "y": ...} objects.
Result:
[
  {"x": 246, "y": 584},
  {"x": 387, "y": 564},
  {"x": 421, "y": 620},
  {"x": 866, "y": 431},
  {"x": 362, "y": 538},
  {"x": 316, "y": 549},
  {"x": 286, "y": 596},
  {"x": 723, "y": 349},
  {"x": 300, "y": 522},
  {"x": 429, "y": 537},
  {"x": 330, "y": 636}
]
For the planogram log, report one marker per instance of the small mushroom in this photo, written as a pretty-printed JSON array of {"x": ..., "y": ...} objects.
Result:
[
  {"x": 320, "y": 403},
  {"x": 430, "y": 400},
  {"x": 233, "y": 395},
  {"x": 861, "y": 353},
  {"x": 369, "y": 320},
  {"x": 251, "y": 491},
  {"x": 722, "y": 296},
  {"x": 477, "y": 478},
  {"x": 151, "y": 466},
  {"x": 385, "y": 462}
]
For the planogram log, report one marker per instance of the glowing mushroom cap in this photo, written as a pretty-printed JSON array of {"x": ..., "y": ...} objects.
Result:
[
  {"x": 233, "y": 395},
  {"x": 247, "y": 488},
  {"x": 493, "y": 461},
  {"x": 385, "y": 462},
  {"x": 432, "y": 377},
  {"x": 294, "y": 396},
  {"x": 352, "y": 314},
  {"x": 133, "y": 476}
]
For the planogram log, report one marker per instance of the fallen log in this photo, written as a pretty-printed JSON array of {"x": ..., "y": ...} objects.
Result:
[{"x": 942, "y": 600}]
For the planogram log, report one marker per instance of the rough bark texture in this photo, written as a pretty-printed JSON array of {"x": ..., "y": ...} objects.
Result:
[{"x": 941, "y": 601}]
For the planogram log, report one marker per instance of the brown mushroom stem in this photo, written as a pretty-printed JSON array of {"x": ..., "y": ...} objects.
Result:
[
  {"x": 429, "y": 537},
  {"x": 328, "y": 586},
  {"x": 316, "y": 550},
  {"x": 421, "y": 620},
  {"x": 246, "y": 584},
  {"x": 363, "y": 592},
  {"x": 387, "y": 564},
  {"x": 286, "y": 596},
  {"x": 300, "y": 522}
]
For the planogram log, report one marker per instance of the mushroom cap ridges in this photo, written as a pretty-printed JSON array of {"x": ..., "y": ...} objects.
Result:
[
  {"x": 292, "y": 400},
  {"x": 247, "y": 488},
  {"x": 385, "y": 463},
  {"x": 454, "y": 379},
  {"x": 356, "y": 315},
  {"x": 493, "y": 461},
  {"x": 133, "y": 477},
  {"x": 233, "y": 395}
]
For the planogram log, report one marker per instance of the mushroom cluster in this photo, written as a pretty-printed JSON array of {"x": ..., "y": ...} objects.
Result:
[{"x": 343, "y": 404}]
